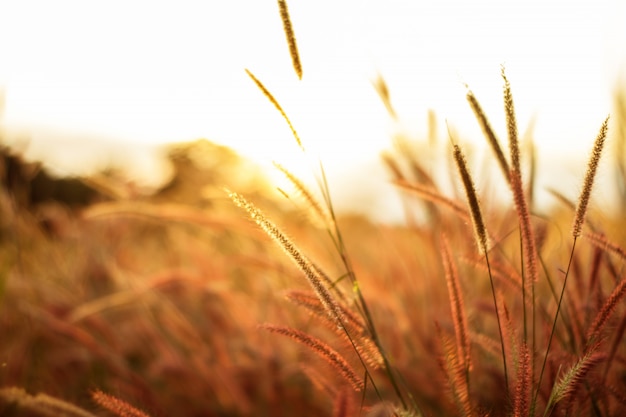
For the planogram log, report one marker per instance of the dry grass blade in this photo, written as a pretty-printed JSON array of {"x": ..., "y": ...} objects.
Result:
[
  {"x": 291, "y": 37},
  {"x": 17, "y": 402},
  {"x": 115, "y": 405},
  {"x": 271, "y": 98},
  {"x": 323, "y": 350},
  {"x": 592, "y": 167}
]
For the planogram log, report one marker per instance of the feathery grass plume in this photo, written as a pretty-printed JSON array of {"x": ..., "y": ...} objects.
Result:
[
  {"x": 581, "y": 210},
  {"x": 321, "y": 214},
  {"x": 528, "y": 244},
  {"x": 527, "y": 239},
  {"x": 600, "y": 241},
  {"x": 331, "y": 284},
  {"x": 481, "y": 237},
  {"x": 380, "y": 85},
  {"x": 480, "y": 231},
  {"x": 459, "y": 317},
  {"x": 291, "y": 38},
  {"x": 450, "y": 364},
  {"x": 570, "y": 381},
  {"x": 521, "y": 402},
  {"x": 608, "y": 308},
  {"x": 516, "y": 171},
  {"x": 338, "y": 240},
  {"x": 527, "y": 232},
  {"x": 592, "y": 167},
  {"x": 294, "y": 253},
  {"x": 16, "y": 401},
  {"x": 313, "y": 276},
  {"x": 323, "y": 350},
  {"x": 511, "y": 123},
  {"x": 509, "y": 330},
  {"x": 489, "y": 133},
  {"x": 115, "y": 405},
  {"x": 271, "y": 98},
  {"x": 361, "y": 340}
]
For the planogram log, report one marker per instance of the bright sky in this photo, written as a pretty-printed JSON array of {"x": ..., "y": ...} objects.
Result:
[{"x": 159, "y": 71}]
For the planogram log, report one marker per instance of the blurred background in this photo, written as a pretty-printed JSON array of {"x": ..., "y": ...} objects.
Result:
[{"x": 89, "y": 85}]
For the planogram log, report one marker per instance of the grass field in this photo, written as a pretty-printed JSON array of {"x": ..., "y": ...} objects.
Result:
[
  {"x": 218, "y": 296},
  {"x": 184, "y": 304}
]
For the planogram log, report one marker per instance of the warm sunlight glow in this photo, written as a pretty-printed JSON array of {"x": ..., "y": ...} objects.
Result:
[{"x": 155, "y": 72}]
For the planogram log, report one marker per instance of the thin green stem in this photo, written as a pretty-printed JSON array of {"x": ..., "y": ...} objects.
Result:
[
  {"x": 341, "y": 248},
  {"x": 495, "y": 304},
  {"x": 556, "y": 318}
]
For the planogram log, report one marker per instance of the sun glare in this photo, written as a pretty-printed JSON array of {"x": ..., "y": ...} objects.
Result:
[{"x": 155, "y": 72}]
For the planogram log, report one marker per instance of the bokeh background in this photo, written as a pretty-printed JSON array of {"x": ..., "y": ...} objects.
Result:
[{"x": 88, "y": 85}]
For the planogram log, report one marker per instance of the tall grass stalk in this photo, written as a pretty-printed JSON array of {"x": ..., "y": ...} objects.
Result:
[
  {"x": 337, "y": 239},
  {"x": 328, "y": 301},
  {"x": 480, "y": 233},
  {"x": 276, "y": 104},
  {"x": 527, "y": 239},
  {"x": 459, "y": 316},
  {"x": 579, "y": 219}
]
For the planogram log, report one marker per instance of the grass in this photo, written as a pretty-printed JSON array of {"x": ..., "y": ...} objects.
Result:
[{"x": 238, "y": 304}]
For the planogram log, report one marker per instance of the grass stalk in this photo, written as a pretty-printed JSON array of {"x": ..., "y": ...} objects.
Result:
[
  {"x": 276, "y": 104},
  {"x": 480, "y": 233},
  {"x": 579, "y": 219},
  {"x": 291, "y": 37},
  {"x": 337, "y": 239}
]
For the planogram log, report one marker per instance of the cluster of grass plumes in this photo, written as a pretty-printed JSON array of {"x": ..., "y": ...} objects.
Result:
[
  {"x": 475, "y": 307},
  {"x": 534, "y": 325},
  {"x": 540, "y": 329},
  {"x": 168, "y": 309}
]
